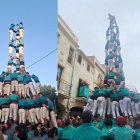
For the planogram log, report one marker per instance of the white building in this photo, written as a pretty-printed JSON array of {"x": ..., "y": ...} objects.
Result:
[{"x": 73, "y": 67}]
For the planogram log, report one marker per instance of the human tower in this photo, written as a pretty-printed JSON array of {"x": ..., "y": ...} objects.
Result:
[
  {"x": 113, "y": 98},
  {"x": 20, "y": 99}
]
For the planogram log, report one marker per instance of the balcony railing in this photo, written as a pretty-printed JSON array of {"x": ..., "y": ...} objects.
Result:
[{"x": 64, "y": 87}]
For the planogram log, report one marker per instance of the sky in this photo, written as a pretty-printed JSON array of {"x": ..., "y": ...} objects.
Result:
[
  {"x": 40, "y": 36},
  {"x": 88, "y": 20}
]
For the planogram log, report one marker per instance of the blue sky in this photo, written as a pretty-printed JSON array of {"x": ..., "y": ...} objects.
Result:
[{"x": 40, "y": 22}]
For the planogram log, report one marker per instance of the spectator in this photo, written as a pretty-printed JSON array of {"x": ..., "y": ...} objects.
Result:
[{"x": 86, "y": 130}]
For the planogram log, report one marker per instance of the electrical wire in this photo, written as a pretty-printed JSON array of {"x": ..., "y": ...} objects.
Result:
[{"x": 42, "y": 58}]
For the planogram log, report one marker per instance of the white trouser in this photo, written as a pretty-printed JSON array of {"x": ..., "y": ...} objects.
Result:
[
  {"x": 53, "y": 119},
  {"x": 7, "y": 89},
  {"x": 115, "y": 109},
  {"x": 10, "y": 50},
  {"x": 1, "y": 87},
  {"x": 108, "y": 106},
  {"x": 94, "y": 108},
  {"x": 122, "y": 83},
  {"x": 11, "y": 34},
  {"x": 27, "y": 115},
  {"x": 27, "y": 90},
  {"x": 21, "y": 90},
  {"x": 110, "y": 63},
  {"x": 121, "y": 106},
  {"x": 14, "y": 84},
  {"x": 127, "y": 106},
  {"x": 137, "y": 108},
  {"x": 89, "y": 105},
  {"x": 121, "y": 66},
  {"x": 110, "y": 47},
  {"x": 106, "y": 52},
  {"x": 5, "y": 114},
  {"x": 21, "y": 113},
  {"x": 31, "y": 87},
  {"x": 13, "y": 111},
  {"x": 101, "y": 105},
  {"x": 17, "y": 55},
  {"x": 21, "y": 50},
  {"x": 0, "y": 113},
  {"x": 44, "y": 113},
  {"x": 32, "y": 115},
  {"x": 133, "y": 109},
  {"x": 104, "y": 112},
  {"x": 21, "y": 33},
  {"x": 38, "y": 86},
  {"x": 37, "y": 112}
]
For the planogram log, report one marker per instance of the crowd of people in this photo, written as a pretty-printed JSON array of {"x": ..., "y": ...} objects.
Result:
[
  {"x": 108, "y": 100},
  {"x": 95, "y": 128},
  {"x": 12, "y": 131}
]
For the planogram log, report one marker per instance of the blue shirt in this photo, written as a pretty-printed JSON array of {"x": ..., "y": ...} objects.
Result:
[
  {"x": 28, "y": 79},
  {"x": 36, "y": 79}
]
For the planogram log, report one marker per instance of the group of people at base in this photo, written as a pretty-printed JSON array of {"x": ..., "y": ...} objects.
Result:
[
  {"x": 108, "y": 100},
  {"x": 98, "y": 129},
  {"x": 19, "y": 81},
  {"x": 12, "y": 131},
  {"x": 38, "y": 109}
]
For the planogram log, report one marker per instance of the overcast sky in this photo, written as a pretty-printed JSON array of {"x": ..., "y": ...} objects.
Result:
[{"x": 88, "y": 20}]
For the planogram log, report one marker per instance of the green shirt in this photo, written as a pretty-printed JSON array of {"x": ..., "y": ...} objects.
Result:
[
  {"x": 21, "y": 78},
  {"x": 124, "y": 92},
  {"x": 7, "y": 77},
  {"x": 95, "y": 93},
  {"x": 13, "y": 97},
  {"x": 50, "y": 104},
  {"x": 86, "y": 131},
  {"x": 98, "y": 124},
  {"x": 122, "y": 133},
  {"x": 68, "y": 131},
  {"x": 102, "y": 91},
  {"x": 60, "y": 132},
  {"x": 14, "y": 76},
  {"x": 110, "y": 56},
  {"x": 114, "y": 96},
  {"x": 111, "y": 75},
  {"x": 105, "y": 131}
]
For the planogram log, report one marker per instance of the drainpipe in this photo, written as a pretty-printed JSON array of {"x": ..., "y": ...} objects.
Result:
[{"x": 74, "y": 60}]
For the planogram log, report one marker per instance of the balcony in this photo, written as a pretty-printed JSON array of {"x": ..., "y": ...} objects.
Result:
[
  {"x": 64, "y": 88},
  {"x": 83, "y": 91}
]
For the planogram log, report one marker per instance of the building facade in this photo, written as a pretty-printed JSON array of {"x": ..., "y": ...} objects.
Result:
[{"x": 75, "y": 70}]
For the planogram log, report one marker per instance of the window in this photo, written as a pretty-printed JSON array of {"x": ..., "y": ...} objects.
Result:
[
  {"x": 88, "y": 67},
  {"x": 70, "y": 57},
  {"x": 79, "y": 59},
  {"x": 59, "y": 74},
  {"x": 58, "y": 37}
]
